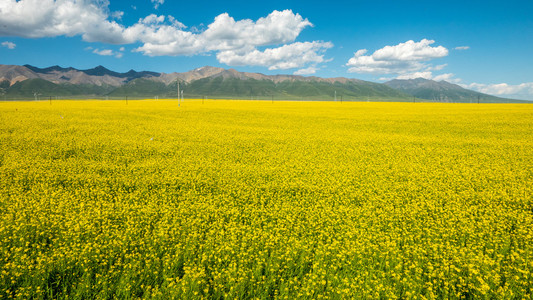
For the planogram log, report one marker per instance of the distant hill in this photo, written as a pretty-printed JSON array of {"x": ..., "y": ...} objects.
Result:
[
  {"x": 49, "y": 69},
  {"x": 40, "y": 88},
  {"x": 99, "y": 76},
  {"x": 29, "y": 82},
  {"x": 443, "y": 91},
  {"x": 143, "y": 87},
  {"x": 242, "y": 87}
]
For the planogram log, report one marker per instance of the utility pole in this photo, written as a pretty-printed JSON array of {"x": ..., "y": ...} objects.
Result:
[{"x": 335, "y": 96}]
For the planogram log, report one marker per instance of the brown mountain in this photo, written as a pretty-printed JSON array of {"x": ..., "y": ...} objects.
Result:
[{"x": 20, "y": 81}]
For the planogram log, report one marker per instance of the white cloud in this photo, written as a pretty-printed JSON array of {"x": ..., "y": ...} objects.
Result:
[
  {"x": 106, "y": 52},
  {"x": 233, "y": 40},
  {"x": 437, "y": 68},
  {"x": 294, "y": 55},
  {"x": 49, "y": 18},
  {"x": 408, "y": 57},
  {"x": 117, "y": 15},
  {"x": 360, "y": 52},
  {"x": 449, "y": 77},
  {"x": 9, "y": 45},
  {"x": 306, "y": 71},
  {"x": 462, "y": 48},
  {"x": 236, "y": 42},
  {"x": 152, "y": 19},
  {"x": 122, "y": 49},
  {"x": 519, "y": 91},
  {"x": 445, "y": 77},
  {"x": 157, "y": 3},
  {"x": 425, "y": 75},
  {"x": 89, "y": 18},
  {"x": 224, "y": 34},
  {"x": 176, "y": 23},
  {"x": 279, "y": 27},
  {"x": 411, "y": 51}
]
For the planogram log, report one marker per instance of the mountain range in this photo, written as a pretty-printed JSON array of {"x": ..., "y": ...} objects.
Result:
[
  {"x": 442, "y": 91},
  {"x": 29, "y": 82}
]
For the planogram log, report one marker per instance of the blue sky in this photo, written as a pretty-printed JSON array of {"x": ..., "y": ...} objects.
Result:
[{"x": 481, "y": 45}]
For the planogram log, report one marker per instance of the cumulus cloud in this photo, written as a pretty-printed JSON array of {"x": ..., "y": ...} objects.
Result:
[
  {"x": 462, "y": 48},
  {"x": 107, "y": 52},
  {"x": 157, "y": 3},
  {"x": 294, "y": 55},
  {"x": 9, "y": 45},
  {"x": 49, "y": 18},
  {"x": 306, "y": 71},
  {"x": 279, "y": 27},
  {"x": 233, "y": 40},
  {"x": 519, "y": 91},
  {"x": 408, "y": 57},
  {"x": 224, "y": 34},
  {"x": 117, "y": 15},
  {"x": 409, "y": 60},
  {"x": 445, "y": 77},
  {"x": 410, "y": 51},
  {"x": 236, "y": 42},
  {"x": 425, "y": 75},
  {"x": 437, "y": 68}
]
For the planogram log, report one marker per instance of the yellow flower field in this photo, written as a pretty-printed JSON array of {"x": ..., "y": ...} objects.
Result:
[{"x": 260, "y": 200}]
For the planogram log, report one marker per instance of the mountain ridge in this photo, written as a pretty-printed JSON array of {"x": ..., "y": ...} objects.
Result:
[
  {"x": 56, "y": 74},
  {"x": 23, "y": 81},
  {"x": 441, "y": 91}
]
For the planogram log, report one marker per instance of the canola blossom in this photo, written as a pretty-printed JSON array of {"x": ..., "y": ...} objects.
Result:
[{"x": 261, "y": 200}]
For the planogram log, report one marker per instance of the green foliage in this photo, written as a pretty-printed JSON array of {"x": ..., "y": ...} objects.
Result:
[
  {"x": 44, "y": 89},
  {"x": 144, "y": 88},
  {"x": 231, "y": 88},
  {"x": 4, "y": 84},
  {"x": 216, "y": 87},
  {"x": 296, "y": 90},
  {"x": 29, "y": 87},
  {"x": 444, "y": 92}
]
